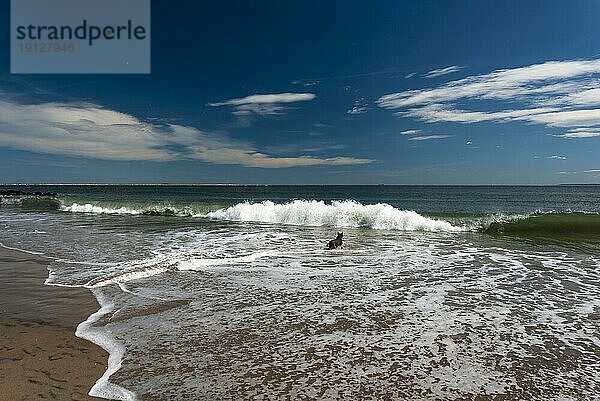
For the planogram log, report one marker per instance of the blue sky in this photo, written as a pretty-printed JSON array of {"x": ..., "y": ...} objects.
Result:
[{"x": 396, "y": 92}]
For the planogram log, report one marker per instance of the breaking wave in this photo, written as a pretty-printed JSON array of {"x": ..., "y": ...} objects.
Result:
[
  {"x": 341, "y": 214},
  {"x": 347, "y": 213},
  {"x": 152, "y": 209}
]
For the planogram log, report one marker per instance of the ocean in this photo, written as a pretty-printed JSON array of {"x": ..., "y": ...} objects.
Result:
[{"x": 229, "y": 292}]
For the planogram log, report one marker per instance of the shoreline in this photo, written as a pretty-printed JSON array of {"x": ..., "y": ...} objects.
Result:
[{"x": 41, "y": 358}]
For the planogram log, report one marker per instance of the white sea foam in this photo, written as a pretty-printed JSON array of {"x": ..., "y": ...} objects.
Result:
[
  {"x": 162, "y": 264},
  {"x": 450, "y": 314},
  {"x": 149, "y": 268},
  {"x": 103, "y": 387},
  {"x": 197, "y": 264},
  {"x": 347, "y": 213},
  {"x": 89, "y": 208},
  {"x": 150, "y": 208},
  {"x": 21, "y": 250},
  {"x": 124, "y": 288}
]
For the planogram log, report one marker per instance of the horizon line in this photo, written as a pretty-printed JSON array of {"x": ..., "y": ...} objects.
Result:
[{"x": 259, "y": 185}]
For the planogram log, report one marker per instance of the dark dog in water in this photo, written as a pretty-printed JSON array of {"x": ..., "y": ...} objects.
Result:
[{"x": 334, "y": 243}]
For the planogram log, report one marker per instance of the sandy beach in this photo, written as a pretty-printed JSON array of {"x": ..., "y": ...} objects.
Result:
[{"x": 40, "y": 356}]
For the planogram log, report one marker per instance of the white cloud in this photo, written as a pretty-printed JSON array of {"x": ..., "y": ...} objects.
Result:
[
  {"x": 360, "y": 107},
  {"x": 428, "y": 137},
  {"x": 579, "y": 134},
  {"x": 305, "y": 82},
  {"x": 81, "y": 130},
  {"x": 442, "y": 71},
  {"x": 586, "y": 97},
  {"x": 357, "y": 110},
  {"x": 557, "y": 157},
  {"x": 439, "y": 112},
  {"x": 91, "y": 131},
  {"x": 268, "y": 98},
  {"x": 501, "y": 84},
  {"x": 263, "y": 104},
  {"x": 569, "y": 118},
  {"x": 554, "y": 93},
  {"x": 410, "y": 75},
  {"x": 592, "y": 171},
  {"x": 410, "y": 132}
]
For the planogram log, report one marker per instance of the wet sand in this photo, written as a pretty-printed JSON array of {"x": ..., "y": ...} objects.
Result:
[{"x": 40, "y": 356}]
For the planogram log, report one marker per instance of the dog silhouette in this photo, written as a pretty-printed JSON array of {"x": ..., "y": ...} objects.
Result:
[{"x": 334, "y": 243}]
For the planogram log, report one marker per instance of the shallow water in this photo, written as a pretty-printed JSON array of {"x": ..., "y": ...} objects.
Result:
[{"x": 438, "y": 292}]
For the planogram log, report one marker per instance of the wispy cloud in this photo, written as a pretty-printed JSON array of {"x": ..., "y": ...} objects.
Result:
[
  {"x": 92, "y": 131},
  {"x": 557, "y": 157},
  {"x": 592, "y": 171},
  {"x": 263, "y": 104},
  {"x": 554, "y": 93},
  {"x": 443, "y": 71},
  {"x": 429, "y": 137},
  {"x": 580, "y": 134},
  {"x": 305, "y": 83},
  {"x": 359, "y": 107},
  {"x": 412, "y": 74},
  {"x": 357, "y": 110},
  {"x": 410, "y": 132},
  {"x": 440, "y": 112},
  {"x": 317, "y": 146}
]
